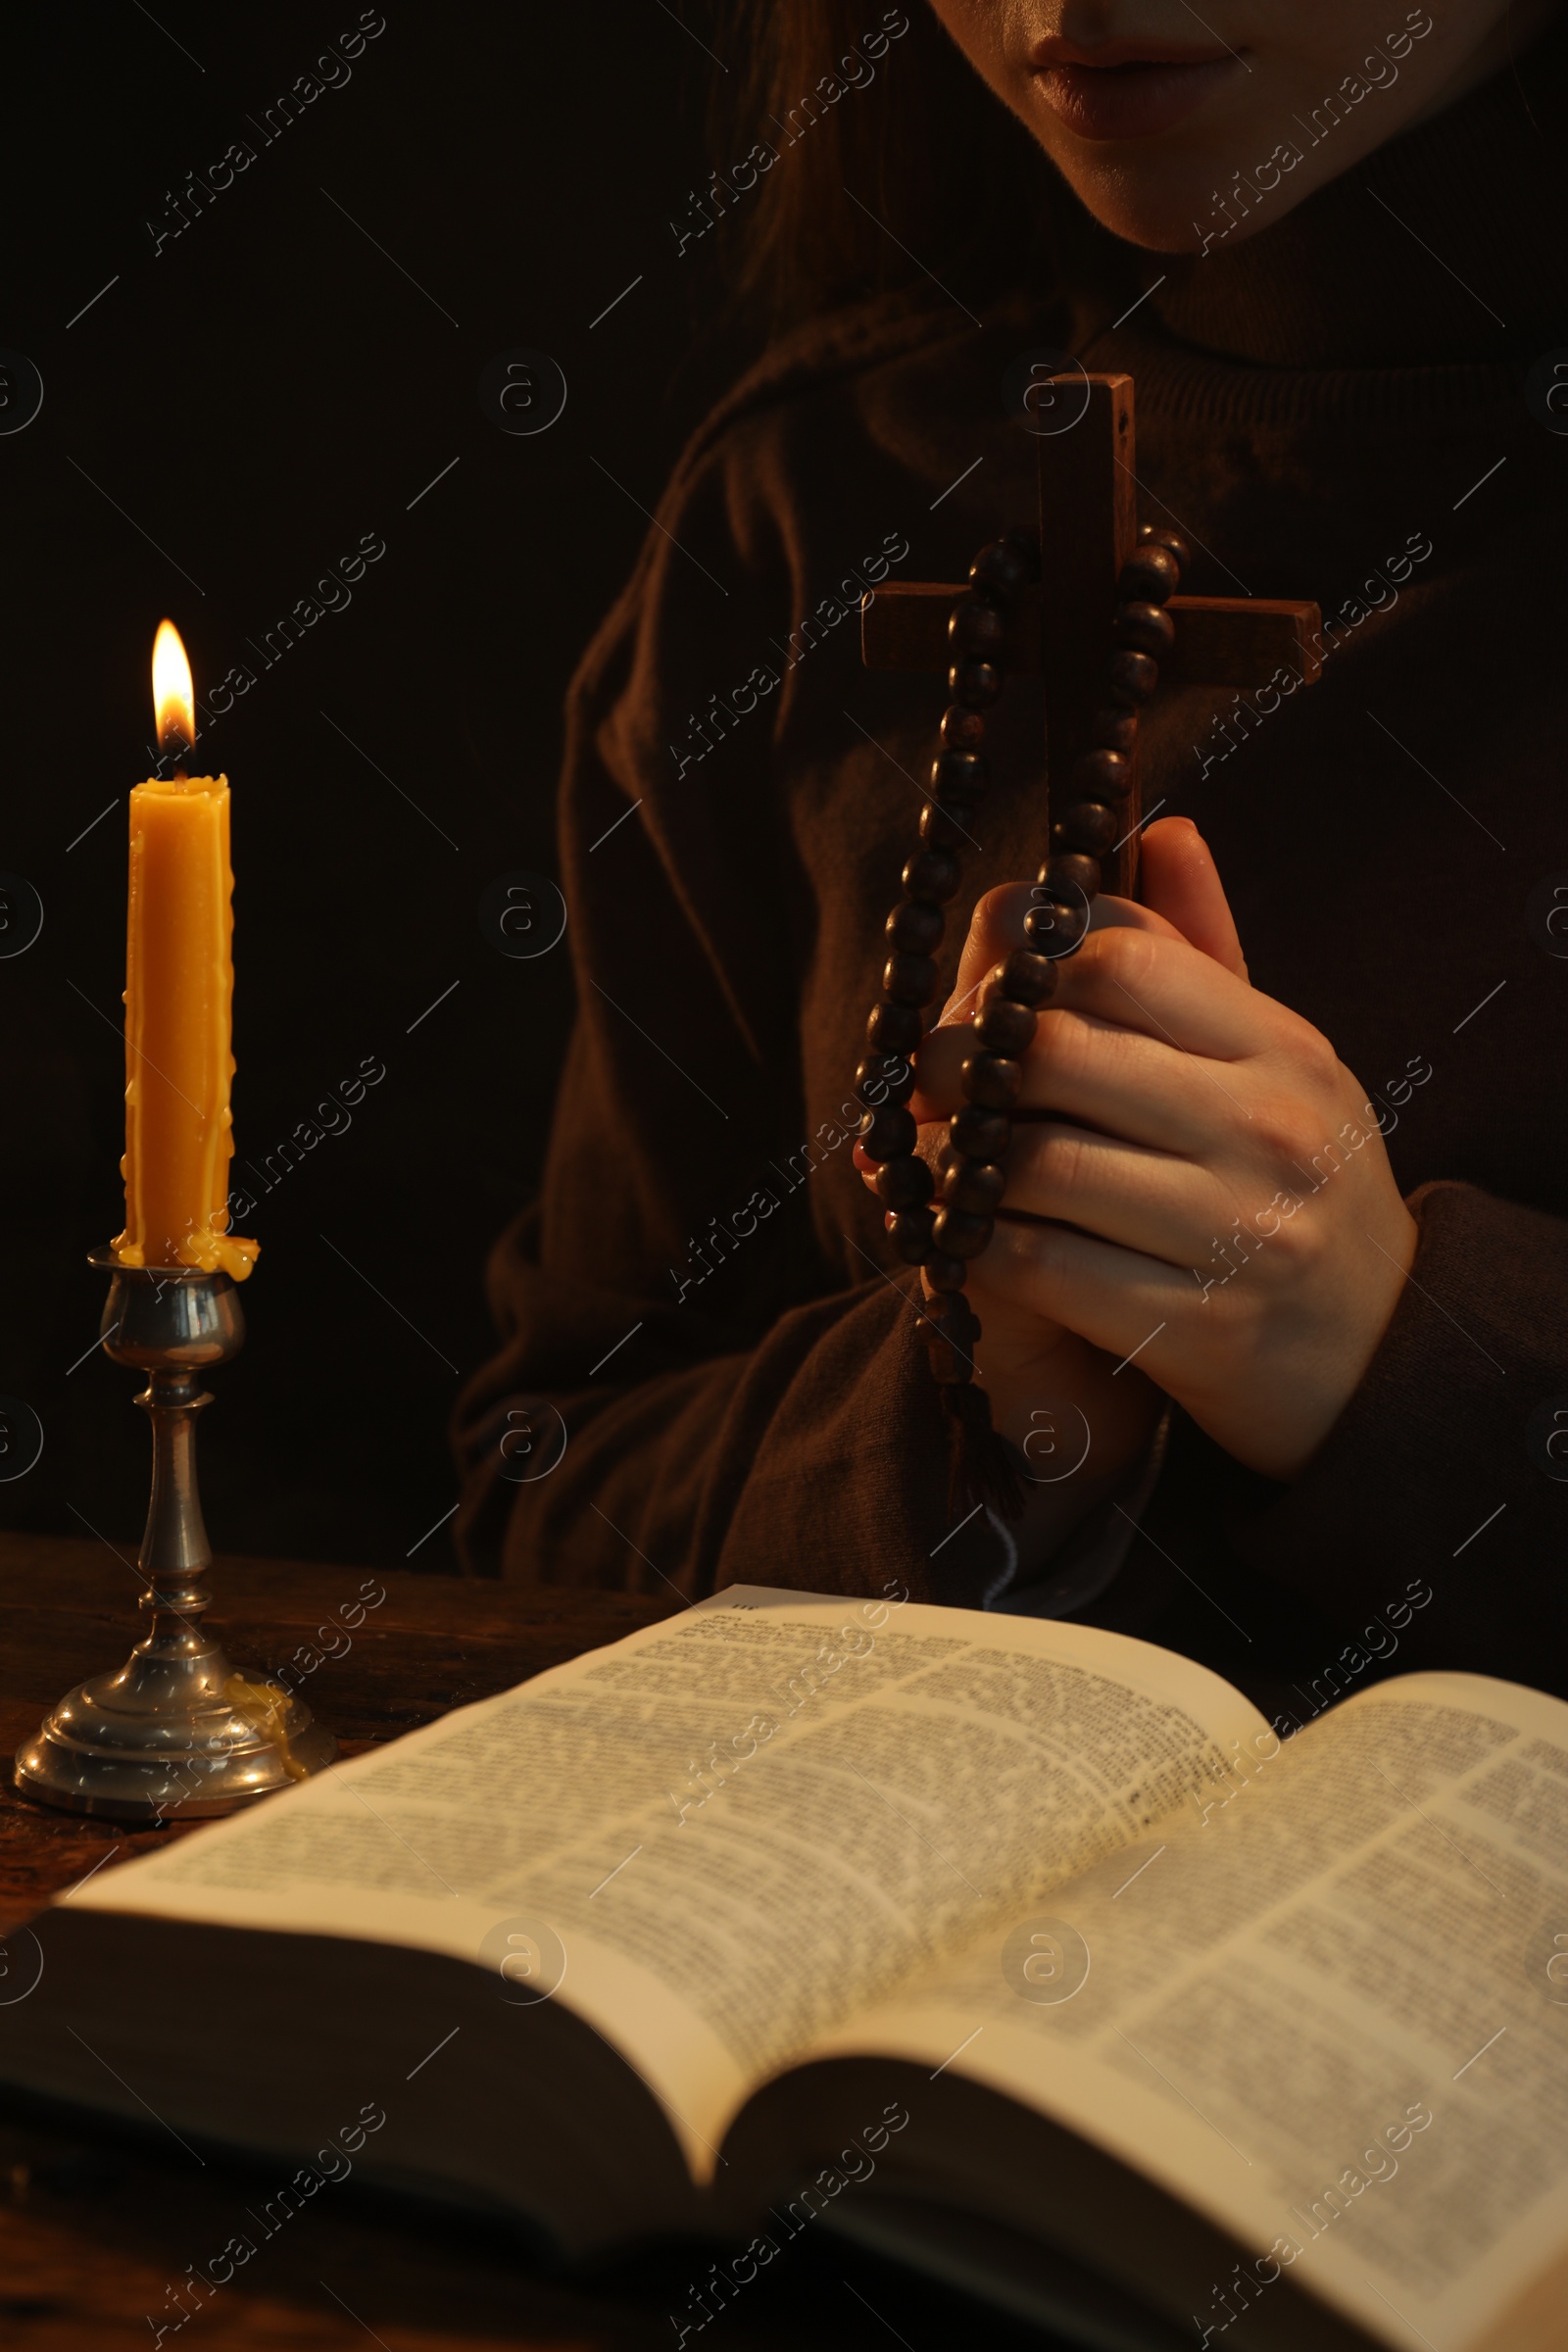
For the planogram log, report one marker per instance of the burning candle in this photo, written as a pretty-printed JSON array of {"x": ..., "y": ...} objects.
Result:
[{"x": 179, "y": 983}]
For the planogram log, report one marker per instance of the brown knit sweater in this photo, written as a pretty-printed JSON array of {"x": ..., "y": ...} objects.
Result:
[{"x": 703, "y": 1306}]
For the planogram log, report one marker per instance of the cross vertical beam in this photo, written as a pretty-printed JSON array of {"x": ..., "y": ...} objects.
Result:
[
  {"x": 1088, "y": 529},
  {"x": 1064, "y": 631}
]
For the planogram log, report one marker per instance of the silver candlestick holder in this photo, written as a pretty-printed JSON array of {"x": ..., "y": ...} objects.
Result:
[{"x": 177, "y": 1733}]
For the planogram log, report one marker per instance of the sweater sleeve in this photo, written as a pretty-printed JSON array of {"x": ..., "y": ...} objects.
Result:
[
  {"x": 690, "y": 1395},
  {"x": 812, "y": 1454},
  {"x": 1447, "y": 1471}
]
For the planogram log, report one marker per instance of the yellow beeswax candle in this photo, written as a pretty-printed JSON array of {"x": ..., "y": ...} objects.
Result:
[{"x": 180, "y": 980}]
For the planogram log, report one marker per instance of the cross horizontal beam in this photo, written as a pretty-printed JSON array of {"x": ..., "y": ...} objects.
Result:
[{"x": 1236, "y": 641}]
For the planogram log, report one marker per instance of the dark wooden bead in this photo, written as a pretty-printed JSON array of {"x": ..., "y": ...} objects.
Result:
[
  {"x": 974, "y": 683},
  {"x": 1102, "y": 775},
  {"x": 1055, "y": 891},
  {"x": 951, "y": 1367},
  {"x": 976, "y": 626},
  {"x": 979, "y": 1134},
  {"x": 1153, "y": 535},
  {"x": 909, "y": 979},
  {"x": 1069, "y": 875},
  {"x": 1145, "y": 628},
  {"x": 992, "y": 1079},
  {"x": 948, "y": 826},
  {"x": 913, "y": 1234},
  {"x": 884, "y": 1078},
  {"x": 1131, "y": 677},
  {"x": 894, "y": 1029},
  {"x": 1056, "y": 930},
  {"x": 961, "y": 730},
  {"x": 951, "y": 1323},
  {"x": 1026, "y": 539},
  {"x": 960, "y": 775},
  {"x": 950, "y": 1316},
  {"x": 1149, "y": 576},
  {"x": 904, "y": 1183},
  {"x": 917, "y": 927},
  {"x": 975, "y": 1186},
  {"x": 1028, "y": 979},
  {"x": 1087, "y": 825},
  {"x": 1116, "y": 728},
  {"x": 889, "y": 1133},
  {"x": 1003, "y": 1024},
  {"x": 946, "y": 1273},
  {"x": 1004, "y": 567},
  {"x": 957, "y": 1234},
  {"x": 932, "y": 878}
]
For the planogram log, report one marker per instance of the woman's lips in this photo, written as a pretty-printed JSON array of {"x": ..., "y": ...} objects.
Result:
[{"x": 1132, "y": 101}]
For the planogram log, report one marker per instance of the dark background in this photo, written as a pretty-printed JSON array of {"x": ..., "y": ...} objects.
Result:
[{"x": 254, "y": 397}]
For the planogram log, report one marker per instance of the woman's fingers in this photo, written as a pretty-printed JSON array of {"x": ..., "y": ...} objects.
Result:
[
  {"x": 997, "y": 929},
  {"x": 1142, "y": 1200},
  {"x": 1183, "y": 898},
  {"x": 1167, "y": 990},
  {"x": 1097, "y": 1073},
  {"x": 1136, "y": 978},
  {"x": 1119, "y": 1299},
  {"x": 1101, "y": 1075},
  {"x": 940, "y": 1064}
]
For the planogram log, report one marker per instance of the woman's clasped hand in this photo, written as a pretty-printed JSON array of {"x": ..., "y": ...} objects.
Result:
[{"x": 1196, "y": 1186}]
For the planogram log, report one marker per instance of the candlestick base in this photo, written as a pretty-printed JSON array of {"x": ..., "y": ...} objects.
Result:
[{"x": 177, "y": 1733}]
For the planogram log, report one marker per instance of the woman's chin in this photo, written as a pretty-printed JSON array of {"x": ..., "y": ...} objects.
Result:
[{"x": 1170, "y": 211}]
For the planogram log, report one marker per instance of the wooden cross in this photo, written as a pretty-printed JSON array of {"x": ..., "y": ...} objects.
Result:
[{"x": 1062, "y": 631}]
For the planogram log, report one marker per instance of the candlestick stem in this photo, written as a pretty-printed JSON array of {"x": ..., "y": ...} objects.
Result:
[
  {"x": 174, "y": 1549},
  {"x": 177, "y": 1732}
]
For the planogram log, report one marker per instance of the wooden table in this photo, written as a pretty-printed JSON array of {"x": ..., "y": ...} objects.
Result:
[{"x": 95, "y": 2229}]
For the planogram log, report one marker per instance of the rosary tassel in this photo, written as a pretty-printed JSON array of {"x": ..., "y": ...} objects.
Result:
[{"x": 981, "y": 1469}]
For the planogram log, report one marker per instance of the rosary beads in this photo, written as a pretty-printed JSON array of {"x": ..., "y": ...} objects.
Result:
[{"x": 942, "y": 1220}]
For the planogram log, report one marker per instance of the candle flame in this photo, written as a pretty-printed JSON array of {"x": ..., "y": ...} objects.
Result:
[{"x": 174, "y": 696}]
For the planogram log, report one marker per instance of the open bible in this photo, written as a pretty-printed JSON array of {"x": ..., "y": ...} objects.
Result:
[{"x": 1018, "y": 1948}]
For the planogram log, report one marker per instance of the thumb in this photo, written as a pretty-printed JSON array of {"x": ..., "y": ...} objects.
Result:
[
  {"x": 1181, "y": 882},
  {"x": 995, "y": 930},
  {"x": 998, "y": 927}
]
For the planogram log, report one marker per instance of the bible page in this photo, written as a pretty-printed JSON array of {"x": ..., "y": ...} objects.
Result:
[
  {"x": 719, "y": 1838},
  {"x": 1328, "y": 2008}
]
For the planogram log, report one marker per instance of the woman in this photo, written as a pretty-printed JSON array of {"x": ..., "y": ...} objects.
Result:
[{"x": 1276, "y": 1313}]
